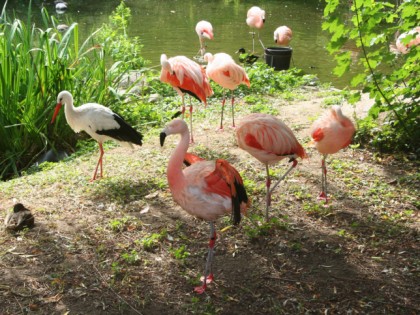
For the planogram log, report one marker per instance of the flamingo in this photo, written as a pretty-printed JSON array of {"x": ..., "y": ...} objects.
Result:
[
  {"x": 269, "y": 140},
  {"x": 331, "y": 132},
  {"x": 282, "y": 35},
  {"x": 206, "y": 189},
  {"x": 186, "y": 76},
  {"x": 204, "y": 31},
  {"x": 223, "y": 70},
  {"x": 405, "y": 48},
  {"x": 255, "y": 19},
  {"x": 97, "y": 121}
]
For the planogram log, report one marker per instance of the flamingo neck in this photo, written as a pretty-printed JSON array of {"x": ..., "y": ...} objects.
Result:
[{"x": 176, "y": 178}]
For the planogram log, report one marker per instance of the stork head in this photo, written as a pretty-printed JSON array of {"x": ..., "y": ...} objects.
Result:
[{"x": 63, "y": 97}]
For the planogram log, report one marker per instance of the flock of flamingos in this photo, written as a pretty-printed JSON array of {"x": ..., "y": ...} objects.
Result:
[{"x": 210, "y": 189}]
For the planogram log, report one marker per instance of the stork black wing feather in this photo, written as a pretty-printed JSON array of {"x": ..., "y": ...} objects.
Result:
[{"x": 125, "y": 133}]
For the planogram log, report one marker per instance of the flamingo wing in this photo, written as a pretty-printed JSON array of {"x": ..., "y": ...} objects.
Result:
[
  {"x": 190, "y": 158},
  {"x": 317, "y": 134},
  {"x": 226, "y": 181}
]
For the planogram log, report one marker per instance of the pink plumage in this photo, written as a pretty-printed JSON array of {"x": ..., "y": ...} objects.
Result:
[
  {"x": 186, "y": 76},
  {"x": 206, "y": 189},
  {"x": 283, "y": 35},
  {"x": 330, "y": 133},
  {"x": 405, "y": 48},
  {"x": 204, "y": 31},
  {"x": 255, "y": 17},
  {"x": 269, "y": 140},
  {"x": 223, "y": 70}
]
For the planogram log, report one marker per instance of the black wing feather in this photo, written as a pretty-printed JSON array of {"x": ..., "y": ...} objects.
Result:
[{"x": 125, "y": 133}]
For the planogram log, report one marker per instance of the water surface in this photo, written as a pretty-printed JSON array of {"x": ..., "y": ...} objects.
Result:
[{"x": 168, "y": 26}]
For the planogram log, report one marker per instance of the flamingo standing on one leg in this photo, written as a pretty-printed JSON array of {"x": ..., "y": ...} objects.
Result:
[
  {"x": 206, "y": 189},
  {"x": 223, "y": 70},
  {"x": 204, "y": 31},
  {"x": 186, "y": 76},
  {"x": 97, "y": 121},
  {"x": 331, "y": 133},
  {"x": 269, "y": 140},
  {"x": 282, "y": 35},
  {"x": 255, "y": 19}
]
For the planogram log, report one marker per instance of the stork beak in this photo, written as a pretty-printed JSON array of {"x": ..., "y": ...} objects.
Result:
[
  {"x": 56, "y": 111},
  {"x": 162, "y": 138}
]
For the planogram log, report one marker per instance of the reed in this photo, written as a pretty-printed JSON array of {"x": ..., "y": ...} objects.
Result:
[{"x": 36, "y": 63}]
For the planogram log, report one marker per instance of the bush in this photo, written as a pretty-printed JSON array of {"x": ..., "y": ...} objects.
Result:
[{"x": 392, "y": 79}]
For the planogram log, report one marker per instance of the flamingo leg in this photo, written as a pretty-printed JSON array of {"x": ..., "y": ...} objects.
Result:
[
  {"x": 253, "y": 41},
  {"x": 208, "y": 271},
  {"x": 183, "y": 107},
  {"x": 323, "y": 195},
  {"x": 191, "y": 128},
  {"x": 233, "y": 112},
  {"x": 223, "y": 108},
  {"x": 260, "y": 41},
  {"x": 268, "y": 194},
  {"x": 101, "y": 149}
]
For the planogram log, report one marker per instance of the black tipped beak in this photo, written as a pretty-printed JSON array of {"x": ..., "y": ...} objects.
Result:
[{"x": 162, "y": 138}]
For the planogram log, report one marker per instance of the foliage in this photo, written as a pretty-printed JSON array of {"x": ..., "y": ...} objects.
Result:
[
  {"x": 116, "y": 41},
  {"x": 36, "y": 64},
  {"x": 392, "y": 79}
]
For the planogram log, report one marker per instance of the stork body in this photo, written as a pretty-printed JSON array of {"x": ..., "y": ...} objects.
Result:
[
  {"x": 206, "y": 189},
  {"x": 99, "y": 122},
  {"x": 269, "y": 140},
  {"x": 223, "y": 70}
]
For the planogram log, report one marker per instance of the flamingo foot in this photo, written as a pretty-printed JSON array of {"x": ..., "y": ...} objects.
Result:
[
  {"x": 200, "y": 289},
  {"x": 323, "y": 196},
  {"x": 220, "y": 129},
  {"x": 209, "y": 279}
]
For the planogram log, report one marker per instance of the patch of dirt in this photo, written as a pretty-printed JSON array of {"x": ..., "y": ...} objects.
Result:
[{"x": 122, "y": 246}]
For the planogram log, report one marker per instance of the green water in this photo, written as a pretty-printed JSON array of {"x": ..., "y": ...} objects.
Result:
[{"x": 169, "y": 27}]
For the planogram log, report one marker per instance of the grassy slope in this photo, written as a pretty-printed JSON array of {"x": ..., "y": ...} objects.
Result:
[{"x": 121, "y": 245}]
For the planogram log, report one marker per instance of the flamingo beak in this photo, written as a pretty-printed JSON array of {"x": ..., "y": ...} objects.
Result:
[
  {"x": 56, "y": 111},
  {"x": 162, "y": 138}
]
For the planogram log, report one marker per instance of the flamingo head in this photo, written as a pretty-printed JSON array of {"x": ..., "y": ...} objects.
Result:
[
  {"x": 176, "y": 126},
  {"x": 208, "y": 57}
]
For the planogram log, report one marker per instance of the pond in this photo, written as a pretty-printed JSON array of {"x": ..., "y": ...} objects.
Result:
[{"x": 169, "y": 27}]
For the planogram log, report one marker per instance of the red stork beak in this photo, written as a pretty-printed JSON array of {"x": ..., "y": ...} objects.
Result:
[{"x": 56, "y": 111}]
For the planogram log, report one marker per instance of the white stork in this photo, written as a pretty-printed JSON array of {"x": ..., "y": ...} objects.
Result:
[{"x": 99, "y": 122}]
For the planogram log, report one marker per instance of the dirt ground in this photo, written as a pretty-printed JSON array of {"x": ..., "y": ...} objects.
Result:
[{"x": 122, "y": 246}]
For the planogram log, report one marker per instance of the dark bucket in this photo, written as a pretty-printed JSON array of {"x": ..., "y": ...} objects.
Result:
[{"x": 278, "y": 57}]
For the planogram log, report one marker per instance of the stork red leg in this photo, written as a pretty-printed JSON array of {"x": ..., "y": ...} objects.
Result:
[
  {"x": 101, "y": 149},
  {"x": 208, "y": 271}
]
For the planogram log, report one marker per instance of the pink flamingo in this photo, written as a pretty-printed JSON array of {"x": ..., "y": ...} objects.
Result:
[
  {"x": 223, "y": 70},
  {"x": 331, "y": 132},
  {"x": 186, "y": 76},
  {"x": 282, "y": 35},
  {"x": 255, "y": 18},
  {"x": 206, "y": 189},
  {"x": 97, "y": 121},
  {"x": 269, "y": 140},
  {"x": 204, "y": 31},
  {"x": 405, "y": 48}
]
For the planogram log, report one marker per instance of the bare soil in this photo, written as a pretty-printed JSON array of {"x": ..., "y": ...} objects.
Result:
[{"x": 121, "y": 245}]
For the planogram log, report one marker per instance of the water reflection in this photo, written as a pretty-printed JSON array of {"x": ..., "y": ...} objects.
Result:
[{"x": 168, "y": 26}]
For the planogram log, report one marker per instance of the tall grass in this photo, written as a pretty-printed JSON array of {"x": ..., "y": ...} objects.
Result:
[{"x": 35, "y": 65}]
